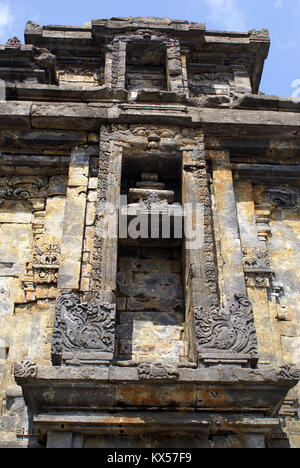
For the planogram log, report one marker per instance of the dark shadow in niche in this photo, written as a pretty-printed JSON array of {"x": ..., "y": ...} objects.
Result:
[{"x": 146, "y": 66}]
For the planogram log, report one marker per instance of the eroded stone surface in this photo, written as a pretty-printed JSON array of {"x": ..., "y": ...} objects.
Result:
[{"x": 163, "y": 111}]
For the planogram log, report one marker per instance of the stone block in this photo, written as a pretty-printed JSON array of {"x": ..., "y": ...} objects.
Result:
[{"x": 59, "y": 440}]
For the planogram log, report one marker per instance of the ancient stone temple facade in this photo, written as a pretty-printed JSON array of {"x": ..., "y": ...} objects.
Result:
[{"x": 149, "y": 240}]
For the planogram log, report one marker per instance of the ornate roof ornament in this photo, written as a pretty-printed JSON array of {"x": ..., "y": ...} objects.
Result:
[{"x": 14, "y": 42}]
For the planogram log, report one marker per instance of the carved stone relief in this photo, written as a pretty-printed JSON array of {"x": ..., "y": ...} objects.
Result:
[
  {"x": 157, "y": 371},
  {"x": 25, "y": 369},
  {"x": 257, "y": 268},
  {"x": 46, "y": 263},
  {"x": 81, "y": 326},
  {"x": 23, "y": 188},
  {"x": 288, "y": 372},
  {"x": 230, "y": 329}
]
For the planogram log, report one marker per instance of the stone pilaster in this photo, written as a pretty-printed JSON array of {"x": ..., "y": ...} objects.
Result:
[
  {"x": 225, "y": 334},
  {"x": 73, "y": 228},
  {"x": 231, "y": 250},
  {"x": 174, "y": 68},
  {"x": 91, "y": 339}
]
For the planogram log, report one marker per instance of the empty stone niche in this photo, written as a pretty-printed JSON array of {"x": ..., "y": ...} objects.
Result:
[
  {"x": 150, "y": 300},
  {"x": 81, "y": 68},
  {"x": 208, "y": 74},
  {"x": 89, "y": 77},
  {"x": 146, "y": 66}
]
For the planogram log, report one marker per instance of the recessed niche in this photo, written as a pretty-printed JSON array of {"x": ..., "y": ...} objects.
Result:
[
  {"x": 150, "y": 294},
  {"x": 146, "y": 66}
]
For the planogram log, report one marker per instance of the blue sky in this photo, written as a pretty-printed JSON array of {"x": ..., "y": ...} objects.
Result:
[{"x": 281, "y": 17}]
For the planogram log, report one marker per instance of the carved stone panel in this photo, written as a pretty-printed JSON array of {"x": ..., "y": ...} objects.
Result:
[
  {"x": 82, "y": 327},
  {"x": 157, "y": 372},
  {"x": 228, "y": 333}
]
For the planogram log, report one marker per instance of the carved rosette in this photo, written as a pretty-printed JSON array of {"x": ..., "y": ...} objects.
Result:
[
  {"x": 25, "y": 369},
  {"x": 257, "y": 268},
  {"x": 153, "y": 203},
  {"x": 82, "y": 327},
  {"x": 229, "y": 330},
  {"x": 46, "y": 264},
  {"x": 255, "y": 259},
  {"x": 157, "y": 371}
]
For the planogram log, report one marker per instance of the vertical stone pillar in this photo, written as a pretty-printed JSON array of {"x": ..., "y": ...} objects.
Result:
[
  {"x": 257, "y": 274},
  {"x": 174, "y": 68},
  {"x": 91, "y": 339},
  {"x": 225, "y": 335},
  {"x": 106, "y": 232},
  {"x": 200, "y": 274},
  {"x": 108, "y": 67},
  {"x": 118, "y": 64},
  {"x": 73, "y": 227},
  {"x": 184, "y": 54},
  {"x": 231, "y": 249}
]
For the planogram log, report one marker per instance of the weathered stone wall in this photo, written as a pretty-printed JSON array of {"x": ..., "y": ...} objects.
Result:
[
  {"x": 269, "y": 226},
  {"x": 31, "y": 213},
  {"x": 97, "y": 321}
]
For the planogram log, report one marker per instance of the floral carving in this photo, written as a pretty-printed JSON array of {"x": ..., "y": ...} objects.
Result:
[
  {"x": 157, "y": 371},
  {"x": 49, "y": 256},
  {"x": 288, "y": 372},
  {"x": 22, "y": 188},
  {"x": 230, "y": 329},
  {"x": 257, "y": 280},
  {"x": 82, "y": 326},
  {"x": 46, "y": 263},
  {"x": 153, "y": 203},
  {"x": 255, "y": 259},
  {"x": 25, "y": 369},
  {"x": 276, "y": 196}
]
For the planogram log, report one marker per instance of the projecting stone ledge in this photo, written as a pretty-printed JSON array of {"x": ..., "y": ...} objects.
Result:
[
  {"x": 230, "y": 388},
  {"x": 155, "y": 397}
]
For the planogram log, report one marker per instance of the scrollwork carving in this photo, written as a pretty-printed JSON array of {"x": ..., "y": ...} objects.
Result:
[
  {"x": 48, "y": 256},
  {"x": 153, "y": 203},
  {"x": 276, "y": 196},
  {"x": 157, "y": 371},
  {"x": 22, "y": 188},
  {"x": 229, "y": 329},
  {"x": 25, "y": 369},
  {"x": 288, "y": 372},
  {"x": 82, "y": 326},
  {"x": 255, "y": 259}
]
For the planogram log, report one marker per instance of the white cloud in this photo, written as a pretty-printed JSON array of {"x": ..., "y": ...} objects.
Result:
[
  {"x": 226, "y": 14},
  {"x": 278, "y": 4},
  {"x": 5, "y": 14}
]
